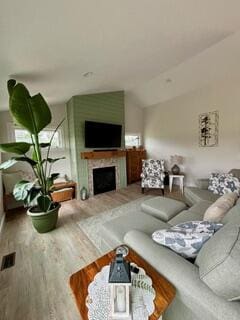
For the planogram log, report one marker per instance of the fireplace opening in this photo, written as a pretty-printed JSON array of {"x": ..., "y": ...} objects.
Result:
[{"x": 104, "y": 179}]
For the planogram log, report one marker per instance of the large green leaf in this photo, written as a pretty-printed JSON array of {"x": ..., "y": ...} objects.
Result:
[
  {"x": 22, "y": 189},
  {"x": 50, "y": 180},
  {"x": 15, "y": 147},
  {"x": 44, "y": 144},
  {"x": 41, "y": 111},
  {"x": 7, "y": 164},
  {"x": 31, "y": 113},
  {"x": 51, "y": 160},
  {"x": 54, "y": 175},
  {"x": 26, "y": 159},
  {"x": 44, "y": 203},
  {"x": 11, "y": 84},
  {"x": 32, "y": 195},
  {"x": 11, "y": 162}
]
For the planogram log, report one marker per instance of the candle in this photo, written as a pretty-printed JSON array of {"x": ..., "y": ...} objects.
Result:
[{"x": 121, "y": 298}]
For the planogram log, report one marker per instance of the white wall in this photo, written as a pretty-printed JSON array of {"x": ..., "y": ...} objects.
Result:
[
  {"x": 133, "y": 116},
  {"x": 58, "y": 113},
  {"x": 172, "y": 128}
]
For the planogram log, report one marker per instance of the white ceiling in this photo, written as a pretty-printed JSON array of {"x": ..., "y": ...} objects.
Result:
[
  {"x": 50, "y": 44},
  {"x": 217, "y": 64}
]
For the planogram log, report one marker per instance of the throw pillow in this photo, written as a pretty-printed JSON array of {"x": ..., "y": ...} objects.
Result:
[
  {"x": 223, "y": 183},
  {"x": 220, "y": 207},
  {"x": 186, "y": 238}
]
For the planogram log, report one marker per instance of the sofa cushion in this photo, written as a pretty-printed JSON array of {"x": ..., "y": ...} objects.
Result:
[
  {"x": 220, "y": 207},
  {"x": 114, "y": 230},
  {"x": 196, "y": 212},
  {"x": 184, "y": 216},
  {"x": 194, "y": 195},
  {"x": 203, "y": 183},
  {"x": 201, "y": 207},
  {"x": 163, "y": 208},
  {"x": 186, "y": 238},
  {"x": 219, "y": 262}
]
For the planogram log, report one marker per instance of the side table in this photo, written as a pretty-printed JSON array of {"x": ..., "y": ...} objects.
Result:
[
  {"x": 68, "y": 191},
  {"x": 80, "y": 281},
  {"x": 175, "y": 176}
]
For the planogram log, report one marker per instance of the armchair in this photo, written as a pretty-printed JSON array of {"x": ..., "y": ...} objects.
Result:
[{"x": 152, "y": 174}]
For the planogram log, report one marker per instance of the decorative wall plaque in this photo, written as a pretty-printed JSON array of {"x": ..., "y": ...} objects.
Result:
[{"x": 208, "y": 129}]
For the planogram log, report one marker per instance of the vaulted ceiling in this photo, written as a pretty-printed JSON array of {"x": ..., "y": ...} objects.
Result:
[{"x": 127, "y": 44}]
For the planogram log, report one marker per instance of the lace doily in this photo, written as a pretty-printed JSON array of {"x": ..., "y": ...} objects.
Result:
[{"x": 142, "y": 296}]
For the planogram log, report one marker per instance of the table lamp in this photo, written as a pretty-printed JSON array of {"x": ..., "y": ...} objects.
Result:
[{"x": 176, "y": 160}]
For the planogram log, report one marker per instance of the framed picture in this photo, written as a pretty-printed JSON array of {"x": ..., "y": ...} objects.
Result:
[{"x": 208, "y": 129}]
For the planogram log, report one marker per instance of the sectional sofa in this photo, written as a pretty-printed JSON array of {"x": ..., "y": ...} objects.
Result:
[{"x": 203, "y": 287}]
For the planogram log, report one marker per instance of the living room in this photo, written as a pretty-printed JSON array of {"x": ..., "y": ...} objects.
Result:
[{"x": 129, "y": 156}]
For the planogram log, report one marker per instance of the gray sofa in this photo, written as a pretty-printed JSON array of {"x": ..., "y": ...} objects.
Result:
[
  {"x": 201, "y": 192},
  {"x": 203, "y": 288}
]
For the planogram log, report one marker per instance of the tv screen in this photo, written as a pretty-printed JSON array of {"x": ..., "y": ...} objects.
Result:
[{"x": 102, "y": 135}]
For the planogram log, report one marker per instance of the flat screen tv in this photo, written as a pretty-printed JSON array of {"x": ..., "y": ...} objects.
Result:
[{"x": 102, "y": 135}]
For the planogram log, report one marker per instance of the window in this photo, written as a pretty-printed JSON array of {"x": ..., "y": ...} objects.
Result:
[
  {"x": 22, "y": 135},
  {"x": 132, "y": 140}
]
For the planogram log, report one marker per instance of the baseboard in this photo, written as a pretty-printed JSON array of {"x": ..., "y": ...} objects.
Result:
[{"x": 2, "y": 222}]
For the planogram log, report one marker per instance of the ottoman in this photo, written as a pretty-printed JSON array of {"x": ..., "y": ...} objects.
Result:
[{"x": 163, "y": 208}]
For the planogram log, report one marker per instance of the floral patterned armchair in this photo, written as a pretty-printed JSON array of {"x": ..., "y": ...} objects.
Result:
[{"x": 152, "y": 174}]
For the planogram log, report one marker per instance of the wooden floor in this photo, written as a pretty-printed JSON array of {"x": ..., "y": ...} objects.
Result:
[{"x": 36, "y": 288}]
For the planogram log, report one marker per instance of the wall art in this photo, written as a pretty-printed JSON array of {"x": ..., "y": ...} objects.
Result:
[{"x": 208, "y": 129}]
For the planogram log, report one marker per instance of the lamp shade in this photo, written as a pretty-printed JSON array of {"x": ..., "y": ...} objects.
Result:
[{"x": 176, "y": 159}]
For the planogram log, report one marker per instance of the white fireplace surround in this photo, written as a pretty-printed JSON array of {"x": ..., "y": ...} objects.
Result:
[{"x": 102, "y": 163}]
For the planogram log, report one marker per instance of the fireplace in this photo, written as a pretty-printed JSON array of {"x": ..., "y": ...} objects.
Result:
[
  {"x": 104, "y": 179},
  {"x": 93, "y": 164}
]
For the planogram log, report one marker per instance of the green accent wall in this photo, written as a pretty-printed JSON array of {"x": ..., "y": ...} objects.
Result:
[{"x": 101, "y": 107}]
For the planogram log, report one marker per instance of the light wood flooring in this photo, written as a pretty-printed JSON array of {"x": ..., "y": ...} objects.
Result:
[{"x": 36, "y": 288}]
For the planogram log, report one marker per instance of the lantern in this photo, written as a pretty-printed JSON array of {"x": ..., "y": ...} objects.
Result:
[
  {"x": 83, "y": 193},
  {"x": 120, "y": 282}
]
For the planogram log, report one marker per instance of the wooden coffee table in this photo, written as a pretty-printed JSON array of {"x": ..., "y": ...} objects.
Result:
[{"x": 80, "y": 281}]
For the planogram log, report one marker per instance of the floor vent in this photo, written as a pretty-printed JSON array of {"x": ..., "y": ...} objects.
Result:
[{"x": 8, "y": 261}]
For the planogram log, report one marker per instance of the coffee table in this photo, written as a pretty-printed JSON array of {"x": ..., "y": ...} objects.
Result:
[{"x": 80, "y": 281}]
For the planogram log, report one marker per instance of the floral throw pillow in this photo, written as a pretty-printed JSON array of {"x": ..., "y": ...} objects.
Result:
[
  {"x": 186, "y": 238},
  {"x": 223, "y": 183}
]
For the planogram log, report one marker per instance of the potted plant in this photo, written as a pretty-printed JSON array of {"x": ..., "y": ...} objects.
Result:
[{"x": 33, "y": 114}]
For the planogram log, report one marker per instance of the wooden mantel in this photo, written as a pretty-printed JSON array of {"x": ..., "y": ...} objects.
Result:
[{"x": 103, "y": 154}]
